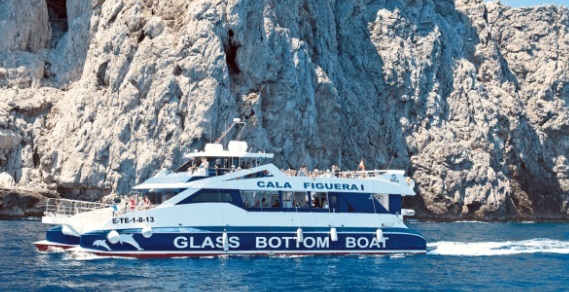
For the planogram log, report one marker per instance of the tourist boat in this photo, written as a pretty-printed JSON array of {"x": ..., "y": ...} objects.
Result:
[{"x": 229, "y": 201}]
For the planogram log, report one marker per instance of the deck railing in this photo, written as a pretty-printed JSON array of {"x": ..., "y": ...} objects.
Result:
[
  {"x": 121, "y": 209},
  {"x": 342, "y": 174},
  {"x": 67, "y": 207}
]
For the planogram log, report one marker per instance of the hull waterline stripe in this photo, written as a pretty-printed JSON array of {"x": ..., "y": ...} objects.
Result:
[{"x": 143, "y": 254}]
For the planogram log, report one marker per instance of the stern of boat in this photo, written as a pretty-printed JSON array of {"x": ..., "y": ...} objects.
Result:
[{"x": 73, "y": 218}]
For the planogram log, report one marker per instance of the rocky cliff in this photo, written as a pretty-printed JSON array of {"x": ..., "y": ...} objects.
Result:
[{"x": 470, "y": 98}]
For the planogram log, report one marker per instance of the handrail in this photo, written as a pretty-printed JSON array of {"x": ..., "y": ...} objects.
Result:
[
  {"x": 68, "y": 207},
  {"x": 342, "y": 174}
]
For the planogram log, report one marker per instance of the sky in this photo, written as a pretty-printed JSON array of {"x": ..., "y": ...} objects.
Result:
[{"x": 524, "y": 3}]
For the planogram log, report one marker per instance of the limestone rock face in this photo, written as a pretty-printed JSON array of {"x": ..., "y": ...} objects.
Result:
[
  {"x": 24, "y": 25},
  {"x": 470, "y": 98},
  {"x": 25, "y": 34}
]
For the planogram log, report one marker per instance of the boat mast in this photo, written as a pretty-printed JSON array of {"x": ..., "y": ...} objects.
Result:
[{"x": 235, "y": 122}]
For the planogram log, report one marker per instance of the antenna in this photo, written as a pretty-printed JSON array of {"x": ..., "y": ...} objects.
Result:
[
  {"x": 390, "y": 162},
  {"x": 241, "y": 132},
  {"x": 235, "y": 122}
]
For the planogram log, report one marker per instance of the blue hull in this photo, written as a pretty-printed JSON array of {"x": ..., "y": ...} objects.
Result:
[
  {"x": 200, "y": 242},
  {"x": 54, "y": 237}
]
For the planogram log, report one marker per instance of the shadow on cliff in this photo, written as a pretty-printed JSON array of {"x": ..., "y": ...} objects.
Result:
[
  {"x": 69, "y": 41},
  {"x": 536, "y": 192}
]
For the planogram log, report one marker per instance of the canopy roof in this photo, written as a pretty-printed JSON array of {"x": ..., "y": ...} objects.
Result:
[{"x": 234, "y": 149}]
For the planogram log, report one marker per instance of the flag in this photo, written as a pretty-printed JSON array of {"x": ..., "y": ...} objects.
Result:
[{"x": 362, "y": 165}]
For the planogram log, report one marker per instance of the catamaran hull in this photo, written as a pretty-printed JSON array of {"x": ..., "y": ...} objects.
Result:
[
  {"x": 55, "y": 238},
  {"x": 130, "y": 243},
  {"x": 45, "y": 245}
]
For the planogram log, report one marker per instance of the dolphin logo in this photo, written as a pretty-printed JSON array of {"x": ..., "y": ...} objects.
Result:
[
  {"x": 101, "y": 243},
  {"x": 128, "y": 238}
]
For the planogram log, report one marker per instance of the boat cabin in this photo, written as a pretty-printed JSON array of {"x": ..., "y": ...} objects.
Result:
[
  {"x": 214, "y": 160},
  {"x": 272, "y": 201}
]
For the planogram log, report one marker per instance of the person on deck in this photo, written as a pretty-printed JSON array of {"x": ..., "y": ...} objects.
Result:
[
  {"x": 302, "y": 171},
  {"x": 141, "y": 204},
  {"x": 204, "y": 164},
  {"x": 335, "y": 171},
  {"x": 276, "y": 204},
  {"x": 324, "y": 203},
  {"x": 147, "y": 203},
  {"x": 316, "y": 203},
  {"x": 132, "y": 203},
  {"x": 217, "y": 167}
]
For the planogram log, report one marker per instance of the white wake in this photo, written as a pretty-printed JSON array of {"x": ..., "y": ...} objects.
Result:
[
  {"x": 80, "y": 255},
  {"x": 537, "y": 245},
  {"x": 54, "y": 249}
]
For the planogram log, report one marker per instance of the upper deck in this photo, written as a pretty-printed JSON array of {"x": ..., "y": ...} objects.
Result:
[
  {"x": 235, "y": 149},
  {"x": 238, "y": 168}
]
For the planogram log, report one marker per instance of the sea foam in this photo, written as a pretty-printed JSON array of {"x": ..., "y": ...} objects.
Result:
[{"x": 537, "y": 245}]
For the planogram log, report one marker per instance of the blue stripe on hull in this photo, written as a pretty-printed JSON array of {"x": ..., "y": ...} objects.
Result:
[
  {"x": 56, "y": 236},
  {"x": 210, "y": 243},
  {"x": 259, "y": 229}
]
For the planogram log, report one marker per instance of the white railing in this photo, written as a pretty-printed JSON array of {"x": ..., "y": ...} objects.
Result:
[
  {"x": 65, "y": 207},
  {"x": 343, "y": 174},
  {"x": 121, "y": 209}
]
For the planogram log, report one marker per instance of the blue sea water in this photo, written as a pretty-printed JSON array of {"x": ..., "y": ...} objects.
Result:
[{"x": 461, "y": 256}]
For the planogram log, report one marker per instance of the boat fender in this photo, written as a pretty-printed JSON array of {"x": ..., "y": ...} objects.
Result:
[
  {"x": 225, "y": 240},
  {"x": 333, "y": 234},
  {"x": 299, "y": 235},
  {"x": 113, "y": 237},
  {"x": 147, "y": 231},
  {"x": 407, "y": 212},
  {"x": 379, "y": 234}
]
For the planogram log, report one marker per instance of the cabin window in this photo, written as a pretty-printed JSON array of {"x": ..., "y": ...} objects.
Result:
[
  {"x": 159, "y": 196},
  {"x": 383, "y": 199},
  {"x": 260, "y": 199},
  {"x": 333, "y": 200},
  {"x": 212, "y": 198},
  {"x": 319, "y": 200},
  {"x": 295, "y": 200},
  {"x": 288, "y": 197}
]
